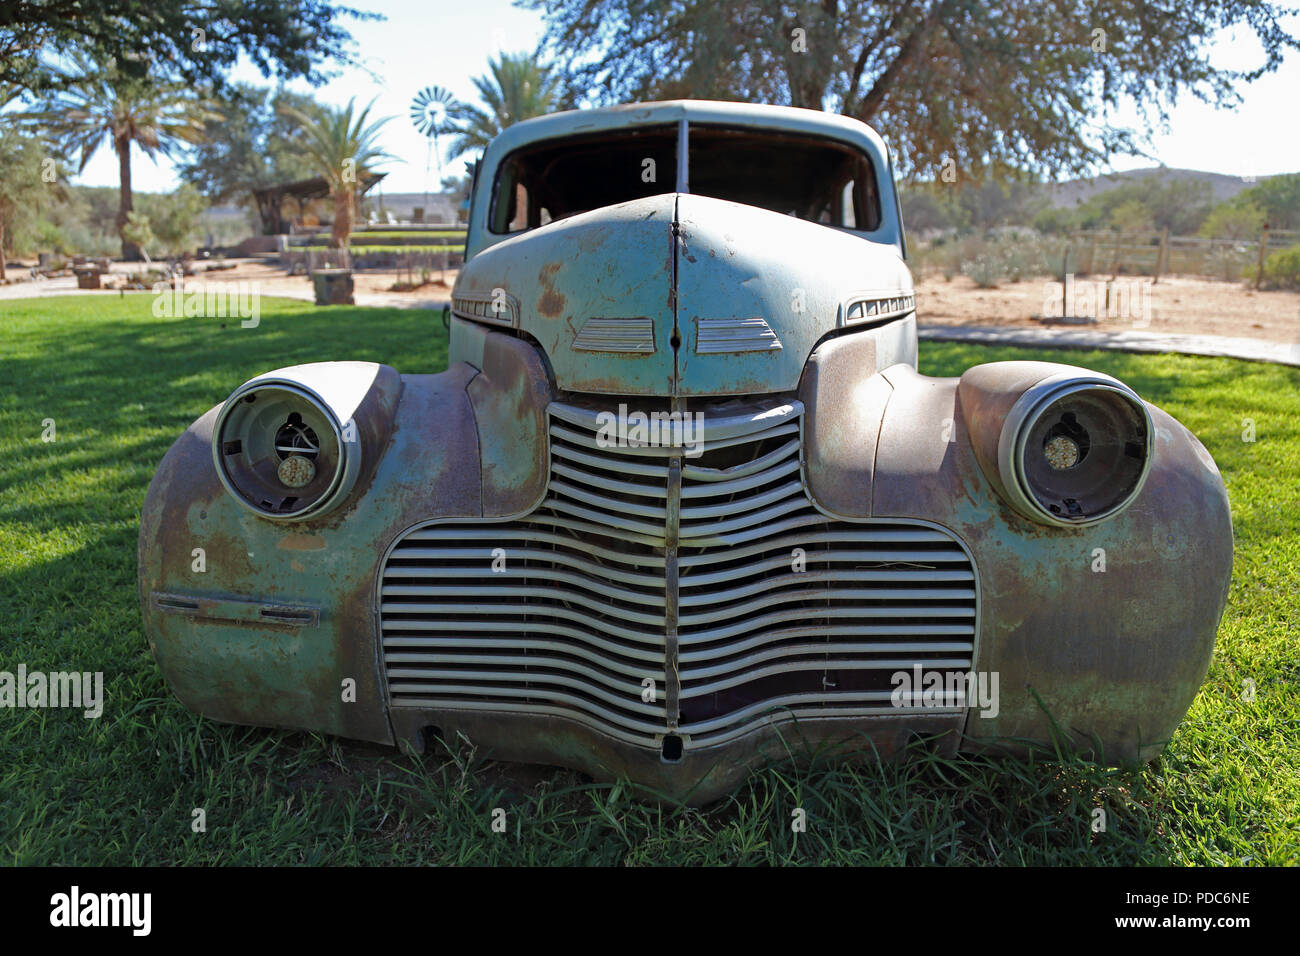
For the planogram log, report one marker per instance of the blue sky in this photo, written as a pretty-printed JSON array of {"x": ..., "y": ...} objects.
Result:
[{"x": 446, "y": 42}]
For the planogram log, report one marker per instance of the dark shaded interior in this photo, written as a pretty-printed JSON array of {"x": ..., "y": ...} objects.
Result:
[
  {"x": 808, "y": 177},
  {"x": 559, "y": 179}
]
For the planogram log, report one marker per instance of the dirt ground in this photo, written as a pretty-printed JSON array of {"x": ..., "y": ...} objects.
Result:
[
  {"x": 1174, "y": 304},
  {"x": 370, "y": 288}
]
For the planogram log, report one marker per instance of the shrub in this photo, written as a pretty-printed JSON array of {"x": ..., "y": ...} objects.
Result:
[
  {"x": 987, "y": 270},
  {"x": 1281, "y": 270}
]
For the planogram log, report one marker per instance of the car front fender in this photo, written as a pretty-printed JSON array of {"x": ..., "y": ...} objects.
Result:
[
  {"x": 269, "y": 623},
  {"x": 1110, "y": 626}
]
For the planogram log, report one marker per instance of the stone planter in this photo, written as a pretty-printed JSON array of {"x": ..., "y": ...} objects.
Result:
[{"x": 333, "y": 286}]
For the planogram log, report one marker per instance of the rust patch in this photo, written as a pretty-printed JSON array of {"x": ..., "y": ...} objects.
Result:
[
  {"x": 551, "y": 303},
  {"x": 301, "y": 542}
]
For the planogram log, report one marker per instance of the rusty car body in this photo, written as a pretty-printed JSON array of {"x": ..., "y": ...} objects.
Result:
[{"x": 682, "y": 503}]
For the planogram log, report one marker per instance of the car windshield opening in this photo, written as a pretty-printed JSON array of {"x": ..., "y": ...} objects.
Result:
[
  {"x": 556, "y": 180},
  {"x": 807, "y": 177},
  {"x": 802, "y": 176}
]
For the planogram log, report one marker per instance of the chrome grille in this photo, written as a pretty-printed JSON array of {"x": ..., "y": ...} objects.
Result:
[{"x": 768, "y": 608}]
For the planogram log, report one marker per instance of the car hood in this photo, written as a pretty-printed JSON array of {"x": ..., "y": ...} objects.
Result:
[{"x": 681, "y": 295}]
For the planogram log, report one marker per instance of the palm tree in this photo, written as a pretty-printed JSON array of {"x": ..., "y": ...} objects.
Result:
[
  {"x": 342, "y": 148},
  {"x": 104, "y": 104},
  {"x": 519, "y": 88}
]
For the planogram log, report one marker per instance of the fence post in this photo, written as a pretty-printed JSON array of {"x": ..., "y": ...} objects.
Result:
[
  {"x": 1092, "y": 253},
  {"x": 1263, "y": 245},
  {"x": 1162, "y": 255}
]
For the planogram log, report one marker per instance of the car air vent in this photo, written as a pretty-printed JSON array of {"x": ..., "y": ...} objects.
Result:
[
  {"x": 616, "y": 335},
  {"x": 713, "y": 336},
  {"x": 498, "y": 308},
  {"x": 878, "y": 308},
  {"x": 713, "y": 577}
]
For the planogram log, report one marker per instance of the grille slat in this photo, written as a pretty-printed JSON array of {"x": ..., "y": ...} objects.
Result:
[
  {"x": 459, "y": 567},
  {"x": 624, "y": 468},
  {"x": 802, "y": 596},
  {"x": 607, "y": 484},
  {"x": 762, "y": 570},
  {"x": 657, "y": 514},
  {"x": 720, "y": 475},
  {"x": 822, "y": 664},
  {"x": 615, "y": 693},
  {"x": 519, "y": 634},
  {"x": 780, "y": 611}
]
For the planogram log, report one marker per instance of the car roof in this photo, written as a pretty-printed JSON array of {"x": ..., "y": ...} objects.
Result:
[{"x": 715, "y": 112}]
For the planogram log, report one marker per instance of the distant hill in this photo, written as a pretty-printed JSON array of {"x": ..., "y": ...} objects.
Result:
[{"x": 1075, "y": 191}]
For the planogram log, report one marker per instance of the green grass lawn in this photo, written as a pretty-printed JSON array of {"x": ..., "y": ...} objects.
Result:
[{"x": 120, "y": 386}]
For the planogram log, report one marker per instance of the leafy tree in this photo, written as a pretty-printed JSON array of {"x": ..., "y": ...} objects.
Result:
[
  {"x": 1132, "y": 215},
  {"x": 929, "y": 207},
  {"x": 255, "y": 143},
  {"x": 341, "y": 146},
  {"x": 106, "y": 105},
  {"x": 981, "y": 82},
  {"x": 1279, "y": 197},
  {"x": 519, "y": 88},
  {"x": 197, "y": 41},
  {"x": 174, "y": 220},
  {"x": 28, "y": 177},
  {"x": 1234, "y": 219},
  {"x": 139, "y": 232},
  {"x": 1178, "y": 204},
  {"x": 1056, "y": 220},
  {"x": 971, "y": 206}
]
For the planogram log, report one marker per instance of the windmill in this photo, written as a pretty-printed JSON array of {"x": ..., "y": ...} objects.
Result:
[{"x": 431, "y": 112}]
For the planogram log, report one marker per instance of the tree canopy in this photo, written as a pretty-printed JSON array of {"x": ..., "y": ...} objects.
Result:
[
  {"x": 105, "y": 105},
  {"x": 518, "y": 87},
  {"x": 985, "y": 84},
  {"x": 1279, "y": 198},
  {"x": 198, "y": 41},
  {"x": 343, "y": 148},
  {"x": 255, "y": 143}
]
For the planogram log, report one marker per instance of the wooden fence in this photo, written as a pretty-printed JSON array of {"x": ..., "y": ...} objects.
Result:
[{"x": 1158, "y": 253}]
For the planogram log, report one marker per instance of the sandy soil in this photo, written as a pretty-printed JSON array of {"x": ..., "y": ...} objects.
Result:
[{"x": 1176, "y": 304}]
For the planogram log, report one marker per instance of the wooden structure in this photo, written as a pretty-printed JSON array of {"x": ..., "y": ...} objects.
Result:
[{"x": 270, "y": 200}]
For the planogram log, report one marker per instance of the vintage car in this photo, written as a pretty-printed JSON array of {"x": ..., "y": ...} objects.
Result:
[{"x": 681, "y": 503}]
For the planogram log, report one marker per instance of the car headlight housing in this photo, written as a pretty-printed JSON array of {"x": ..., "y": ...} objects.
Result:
[
  {"x": 281, "y": 451},
  {"x": 1074, "y": 450}
]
